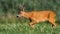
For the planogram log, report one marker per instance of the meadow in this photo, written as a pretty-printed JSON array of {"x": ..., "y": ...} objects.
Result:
[
  {"x": 13, "y": 25},
  {"x": 10, "y": 24}
]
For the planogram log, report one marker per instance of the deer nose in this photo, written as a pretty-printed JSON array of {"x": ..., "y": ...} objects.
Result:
[{"x": 17, "y": 16}]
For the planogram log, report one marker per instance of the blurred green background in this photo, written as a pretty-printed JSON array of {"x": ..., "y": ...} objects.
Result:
[{"x": 9, "y": 24}]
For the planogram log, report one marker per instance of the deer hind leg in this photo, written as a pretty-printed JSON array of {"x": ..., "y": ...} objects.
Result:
[{"x": 52, "y": 21}]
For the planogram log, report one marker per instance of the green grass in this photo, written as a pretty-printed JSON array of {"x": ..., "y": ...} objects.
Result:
[{"x": 13, "y": 25}]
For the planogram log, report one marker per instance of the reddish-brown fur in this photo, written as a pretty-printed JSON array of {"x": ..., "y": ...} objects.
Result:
[{"x": 39, "y": 16}]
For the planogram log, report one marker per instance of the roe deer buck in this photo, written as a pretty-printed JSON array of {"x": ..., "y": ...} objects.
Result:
[{"x": 38, "y": 16}]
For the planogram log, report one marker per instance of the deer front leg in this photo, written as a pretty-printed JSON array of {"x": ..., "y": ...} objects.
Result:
[{"x": 32, "y": 24}]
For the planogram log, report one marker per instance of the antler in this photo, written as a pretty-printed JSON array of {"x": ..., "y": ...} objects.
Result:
[{"x": 21, "y": 6}]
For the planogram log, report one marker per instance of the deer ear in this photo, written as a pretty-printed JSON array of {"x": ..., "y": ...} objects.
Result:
[{"x": 23, "y": 9}]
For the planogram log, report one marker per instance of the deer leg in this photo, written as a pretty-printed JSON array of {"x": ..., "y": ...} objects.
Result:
[
  {"x": 52, "y": 20},
  {"x": 32, "y": 24}
]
